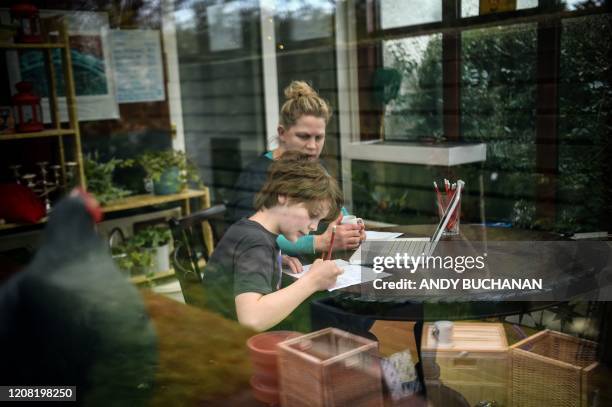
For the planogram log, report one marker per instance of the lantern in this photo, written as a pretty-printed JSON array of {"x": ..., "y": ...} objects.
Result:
[
  {"x": 28, "y": 30},
  {"x": 27, "y": 111}
]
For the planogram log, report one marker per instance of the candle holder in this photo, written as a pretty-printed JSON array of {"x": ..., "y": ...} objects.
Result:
[
  {"x": 71, "y": 174},
  {"x": 40, "y": 183},
  {"x": 16, "y": 175},
  {"x": 29, "y": 181}
]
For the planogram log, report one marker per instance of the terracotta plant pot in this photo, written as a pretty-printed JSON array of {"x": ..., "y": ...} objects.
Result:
[
  {"x": 263, "y": 352},
  {"x": 265, "y": 394}
]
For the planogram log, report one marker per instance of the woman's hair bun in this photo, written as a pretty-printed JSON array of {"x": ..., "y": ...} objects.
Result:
[
  {"x": 301, "y": 100},
  {"x": 299, "y": 89}
]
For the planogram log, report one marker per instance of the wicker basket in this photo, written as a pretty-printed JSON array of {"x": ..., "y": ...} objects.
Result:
[
  {"x": 552, "y": 369},
  {"x": 330, "y": 368}
]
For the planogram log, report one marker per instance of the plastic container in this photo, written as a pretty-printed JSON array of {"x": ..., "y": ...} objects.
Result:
[{"x": 330, "y": 367}]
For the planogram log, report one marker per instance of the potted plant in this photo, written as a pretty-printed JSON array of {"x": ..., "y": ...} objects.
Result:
[
  {"x": 132, "y": 259},
  {"x": 156, "y": 240},
  {"x": 99, "y": 177},
  {"x": 170, "y": 170}
]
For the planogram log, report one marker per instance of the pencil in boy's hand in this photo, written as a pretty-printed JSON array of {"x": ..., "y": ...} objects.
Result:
[{"x": 331, "y": 243}]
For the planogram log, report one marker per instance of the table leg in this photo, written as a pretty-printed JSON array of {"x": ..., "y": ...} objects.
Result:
[{"x": 418, "y": 334}]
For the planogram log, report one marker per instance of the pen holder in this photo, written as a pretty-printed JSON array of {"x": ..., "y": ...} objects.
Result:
[{"x": 452, "y": 227}]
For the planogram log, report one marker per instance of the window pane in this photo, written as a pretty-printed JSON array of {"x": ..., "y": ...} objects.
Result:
[
  {"x": 470, "y": 8},
  {"x": 416, "y": 110},
  {"x": 498, "y": 91},
  {"x": 582, "y": 4},
  {"x": 584, "y": 91},
  {"x": 305, "y": 21},
  {"x": 400, "y": 13}
]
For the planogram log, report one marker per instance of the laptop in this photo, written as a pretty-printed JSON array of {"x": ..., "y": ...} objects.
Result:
[{"x": 413, "y": 246}]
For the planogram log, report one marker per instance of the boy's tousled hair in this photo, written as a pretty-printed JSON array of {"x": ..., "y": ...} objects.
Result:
[
  {"x": 302, "y": 181},
  {"x": 300, "y": 100}
]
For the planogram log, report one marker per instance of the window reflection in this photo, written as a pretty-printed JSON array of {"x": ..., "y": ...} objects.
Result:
[
  {"x": 399, "y": 13},
  {"x": 582, "y": 4},
  {"x": 583, "y": 132},
  {"x": 307, "y": 20},
  {"x": 416, "y": 110},
  {"x": 470, "y": 8},
  {"x": 498, "y": 96}
]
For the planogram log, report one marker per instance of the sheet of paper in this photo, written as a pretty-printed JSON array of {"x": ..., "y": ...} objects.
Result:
[
  {"x": 353, "y": 274},
  {"x": 372, "y": 235}
]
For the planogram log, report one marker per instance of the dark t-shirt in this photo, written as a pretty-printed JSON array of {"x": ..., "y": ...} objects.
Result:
[{"x": 245, "y": 260}]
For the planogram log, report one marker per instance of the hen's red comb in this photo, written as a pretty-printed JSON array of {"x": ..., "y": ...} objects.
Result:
[{"x": 92, "y": 206}]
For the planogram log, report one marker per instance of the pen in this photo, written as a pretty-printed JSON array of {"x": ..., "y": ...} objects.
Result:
[{"x": 439, "y": 198}]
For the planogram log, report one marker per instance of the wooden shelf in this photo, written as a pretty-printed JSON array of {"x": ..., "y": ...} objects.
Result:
[
  {"x": 156, "y": 276},
  {"x": 38, "y": 134},
  {"x": 130, "y": 202},
  {"x": 7, "y": 226},
  {"x": 46, "y": 45},
  {"x": 138, "y": 201}
]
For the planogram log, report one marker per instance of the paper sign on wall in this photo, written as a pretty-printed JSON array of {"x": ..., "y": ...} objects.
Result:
[{"x": 138, "y": 66}]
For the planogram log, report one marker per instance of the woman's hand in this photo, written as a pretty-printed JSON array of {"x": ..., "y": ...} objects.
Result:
[
  {"x": 362, "y": 232},
  {"x": 323, "y": 274},
  {"x": 293, "y": 263},
  {"x": 348, "y": 236}
]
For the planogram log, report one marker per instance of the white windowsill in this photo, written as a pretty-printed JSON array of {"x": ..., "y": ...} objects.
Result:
[{"x": 444, "y": 154}]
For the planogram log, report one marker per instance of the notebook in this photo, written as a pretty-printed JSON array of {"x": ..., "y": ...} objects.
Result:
[{"x": 412, "y": 246}]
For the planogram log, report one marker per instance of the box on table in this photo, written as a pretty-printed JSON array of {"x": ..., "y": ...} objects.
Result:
[
  {"x": 475, "y": 364},
  {"x": 329, "y": 367},
  {"x": 552, "y": 369}
]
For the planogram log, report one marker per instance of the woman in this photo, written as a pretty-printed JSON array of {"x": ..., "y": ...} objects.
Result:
[{"x": 302, "y": 122}]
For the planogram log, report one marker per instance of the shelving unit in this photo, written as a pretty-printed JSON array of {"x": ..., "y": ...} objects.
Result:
[
  {"x": 139, "y": 201},
  {"x": 38, "y": 134},
  {"x": 56, "y": 37},
  {"x": 55, "y": 25},
  {"x": 142, "y": 279},
  {"x": 52, "y": 45}
]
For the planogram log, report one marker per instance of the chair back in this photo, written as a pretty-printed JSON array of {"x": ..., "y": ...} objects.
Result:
[{"x": 194, "y": 238}]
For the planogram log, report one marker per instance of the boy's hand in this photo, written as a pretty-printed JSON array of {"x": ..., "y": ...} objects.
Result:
[
  {"x": 323, "y": 274},
  {"x": 294, "y": 264}
]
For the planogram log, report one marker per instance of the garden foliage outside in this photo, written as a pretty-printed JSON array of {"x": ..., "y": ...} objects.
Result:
[{"x": 498, "y": 107}]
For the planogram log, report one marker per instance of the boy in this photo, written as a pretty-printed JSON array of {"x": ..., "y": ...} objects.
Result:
[{"x": 243, "y": 276}]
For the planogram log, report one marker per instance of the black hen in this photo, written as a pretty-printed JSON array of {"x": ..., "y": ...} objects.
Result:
[{"x": 72, "y": 319}]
